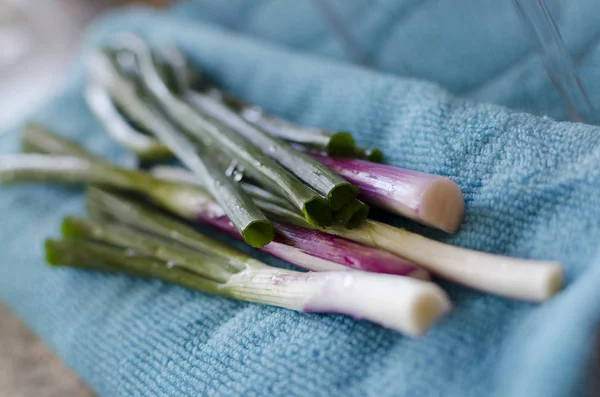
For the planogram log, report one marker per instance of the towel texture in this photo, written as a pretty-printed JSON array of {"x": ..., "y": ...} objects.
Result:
[
  {"x": 476, "y": 48},
  {"x": 532, "y": 187}
]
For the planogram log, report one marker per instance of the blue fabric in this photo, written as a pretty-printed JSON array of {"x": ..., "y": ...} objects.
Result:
[
  {"x": 476, "y": 48},
  {"x": 532, "y": 187}
]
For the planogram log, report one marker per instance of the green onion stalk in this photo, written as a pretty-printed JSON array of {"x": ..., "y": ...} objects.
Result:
[
  {"x": 332, "y": 143},
  {"x": 177, "y": 76},
  {"x": 400, "y": 303},
  {"x": 336, "y": 189},
  {"x": 338, "y": 144},
  {"x": 350, "y": 216},
  {"x": 428, "y": 199},
  {"x": 431, "y": 200},
  {"x": 531, "y": 280},
  {"x": 207, "y": 131},
  {"x": 256, "y": 229},
  {"x": 306, "y": 248}
]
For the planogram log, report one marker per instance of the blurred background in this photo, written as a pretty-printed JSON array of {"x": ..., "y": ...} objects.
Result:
[{"x": 37, "y": 41}]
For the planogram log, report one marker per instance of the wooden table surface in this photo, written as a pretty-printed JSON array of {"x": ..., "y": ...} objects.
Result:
[{"x": 28, "y": 368}]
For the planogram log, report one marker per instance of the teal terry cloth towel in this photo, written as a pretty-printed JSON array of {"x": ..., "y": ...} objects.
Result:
[
  {"x": 477, "y": 49},
  {"x": 532, "y": 189}
]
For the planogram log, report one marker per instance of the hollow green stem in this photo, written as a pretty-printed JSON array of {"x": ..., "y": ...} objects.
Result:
[
  {"x": 248, "y": 219},
  {"x": 400, "y": 303},
  {"x": 65, "y": 169},
  {"x": 352, "y": 214},
  {"x": 211, "y": 133},
  {"x": 88, "y": 255},
  {"x": 137, "y": 215},
  {"x": 335, "y": 188},
  {"x": 210, "y": 264},
  {"x": 340, "y": 144},
  {"x": 185, "y": 200},
  {"x": 333, "y": 143},
  {"x": 180, "y": 175}
]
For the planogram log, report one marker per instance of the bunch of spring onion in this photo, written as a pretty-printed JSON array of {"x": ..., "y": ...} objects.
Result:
[
  {"x": 139, "y": 90},
  {"x": 127, "y": 234},
  {"x": 431, "y": 200},
  {"x": 276, "y": 185},
  {"x": 124, "y": 236},
  {"x": 65, "y": 162},
  {"x": 298, "y": 241}
]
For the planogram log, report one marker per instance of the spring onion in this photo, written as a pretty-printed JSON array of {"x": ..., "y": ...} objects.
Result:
[
  {"x": 68, "y": 169},
  {"x": 511, "y": 277},
  {"x": 146, "y": 244},
  {"x": 247, "y": 218},
  {"x": 180, "y": 175},
  {"x": 88, "y": 255},
  {"x": 309, "y": 249},
  {"x": 337, "y": 190},
  {"x": 261, "y": 167},
  {"x": 333, "y": 143},
  {"x": 338, "y": 144},
  {"x": 302, "y": 246},
  {"x": 400, "y": 303},
  {"x": 428, "y": 199},
  {"x": 352, "y": 215},
  {"x": 65, "y": 169}
]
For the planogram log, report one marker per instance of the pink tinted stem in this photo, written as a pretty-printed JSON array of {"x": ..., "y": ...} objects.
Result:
[
  {"x": 428, "y": 199},
  {"x": 318, "y": 251}
]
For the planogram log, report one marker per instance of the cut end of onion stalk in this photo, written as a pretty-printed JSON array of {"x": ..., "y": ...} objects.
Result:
[
  {"x": 370, "y": 154},
  {"x": 551, "y": 281},
  {"x": 317, "y": 212},
  {"x": 429, "y": 199},
  {"x": 71, "y": 228},
  {"x": 258, "y": 233},
  {"x": 341, "y": 144},
  {"x": 352, "y": 214},
  {"x": 52, "y": 256},
  {"x": 442, "y": 205},
  {"x": 399, "y": 303},
  {"x": 341, "y": 195}
]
